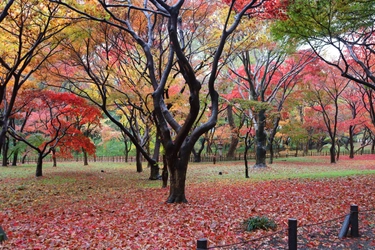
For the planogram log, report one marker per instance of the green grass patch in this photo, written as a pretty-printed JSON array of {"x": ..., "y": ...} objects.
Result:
[{"x": 259, "y": 222}]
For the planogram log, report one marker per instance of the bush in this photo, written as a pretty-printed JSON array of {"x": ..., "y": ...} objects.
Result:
[{"x": 254, "y": 223}]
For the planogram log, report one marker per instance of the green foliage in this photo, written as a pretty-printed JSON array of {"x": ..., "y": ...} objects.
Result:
[
  {"x": 323, "y": 19},
  {"x": 259, "y": 222},
  {"x": 254, "y": 105},
  {"x": 111, "y": 148},
  {"x": 21, "y": 187}
]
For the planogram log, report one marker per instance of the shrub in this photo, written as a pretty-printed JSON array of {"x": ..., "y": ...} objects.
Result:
[{"x": 257, "y": 222}]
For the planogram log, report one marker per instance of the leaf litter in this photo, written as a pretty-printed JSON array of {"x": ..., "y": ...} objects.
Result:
[{"x": 89, "y": 209}]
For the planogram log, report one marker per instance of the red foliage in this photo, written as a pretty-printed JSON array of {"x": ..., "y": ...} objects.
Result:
[
  {"x": 266, "y": 9},
  {"x": 61, "y": 118},
  {"x": 117, "y": 213}
]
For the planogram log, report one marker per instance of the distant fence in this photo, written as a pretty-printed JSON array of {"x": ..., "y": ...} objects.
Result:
[
  {"x": 203, "y": 158},
  {"x": 323, "y": 235}
]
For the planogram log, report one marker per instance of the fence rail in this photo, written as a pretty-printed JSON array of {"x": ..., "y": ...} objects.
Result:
[
  {"x": 203, "y": 158},
  {"x": 331, "y": 234}
]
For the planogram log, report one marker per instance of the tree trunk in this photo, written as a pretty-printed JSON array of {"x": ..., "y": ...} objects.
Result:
[
  {"x": 39, "y": 166},
  {"x": 306, "y": 148},
  {"x": 232, "y": 147},
  {"x": 15, "y": 158},
  {"x": 85, "y": 158},
  {"x": 351, "y": 142},
  {"x": 154, "y": 172},
  {"x": 271, "y": 154},
  {"x": 297, "y": 147},
  {"x": 5, "y": 152},
  {"x": 247, "y": 146},
  {"x": 165, "y": 172},
  {"x": 23, "y": 160},
  {"x": 139, "y": 161},
  {"x": 15, "y": 153},
  {"x": 261, "y": 139},
  {"x": 234, "y": 134},
  {"x": 332, "y": 152},
  {"x": 3, "y": 132},
  {"x": 198, "y": 154},
  {"x": 54, "y": 158},
  {"x": 177, "y": 170},
  {"x": 154, "y": 169},
  {"x": 126, "y": 152}
]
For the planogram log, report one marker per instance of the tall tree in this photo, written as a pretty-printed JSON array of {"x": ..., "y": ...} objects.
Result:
[{"x": 165, "y": 33}]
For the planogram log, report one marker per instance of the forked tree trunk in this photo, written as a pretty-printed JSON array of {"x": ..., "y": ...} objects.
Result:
[
  {"x": 177, "y": 177},
  {"x": 198, "y": 154}
]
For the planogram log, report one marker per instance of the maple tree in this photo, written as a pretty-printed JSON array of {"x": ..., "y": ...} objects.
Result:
[
  {"x": 163, "y": 36},
  {"x": 265, "y": 80},
  {"x": 326, "y": 87},
  {"x": 340, "y": 32},
  {"x": 55, "y": 122},
  {"x": 367, "y": 97},
  {"x": 28, "y": 37},
  {"x": 356, "y": 106}
]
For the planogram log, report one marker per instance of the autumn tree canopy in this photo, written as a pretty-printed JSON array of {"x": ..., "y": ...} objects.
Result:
[
  {"x": 340, "y": 32},
  {"x": 29, "y": 35}
]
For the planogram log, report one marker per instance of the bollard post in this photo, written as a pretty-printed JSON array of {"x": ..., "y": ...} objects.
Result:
[
  {"x": 345, "y": 227},
  {"x": 202, "y": 244},
  {"x": 292, "y": 234},
  {"x": 354, "y": 232},
  {"x": 3, "y": 236}
]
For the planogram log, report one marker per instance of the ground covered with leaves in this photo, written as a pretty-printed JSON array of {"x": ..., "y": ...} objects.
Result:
[{"x": 109, "y": 206}]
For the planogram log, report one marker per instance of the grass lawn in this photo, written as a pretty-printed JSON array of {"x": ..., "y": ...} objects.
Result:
[{"x": 110, "y": 206}]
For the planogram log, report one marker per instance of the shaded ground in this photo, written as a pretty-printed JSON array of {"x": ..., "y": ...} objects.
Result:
[{"x": 112, "y": 207}]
